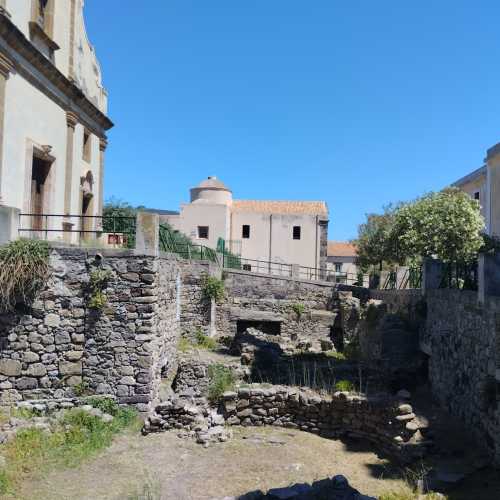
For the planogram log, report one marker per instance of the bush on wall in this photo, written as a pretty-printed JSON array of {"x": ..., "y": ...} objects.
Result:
[{"x": 24, "y": 270}]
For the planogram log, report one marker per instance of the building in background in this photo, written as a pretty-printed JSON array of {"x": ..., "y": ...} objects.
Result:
[
  {"x": 287, "y": 232},
  {"x": 341, "y": 262},
  {"x": 483, "y": 185},
  {"x": 53, "y": 117}
]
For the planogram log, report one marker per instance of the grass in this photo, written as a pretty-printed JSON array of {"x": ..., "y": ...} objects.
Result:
[
  {"x": 150, "y": 490},
  {"x": 24, "y": 269},
  {"x": 205, "y": 342},
  {"x": 201, "y": 341},
  {"x": 407, "y": 493},
  {"x": 221, "y": 380},
  {"x": 344, "y": 386},
  {"x": 77, "y": 436}
]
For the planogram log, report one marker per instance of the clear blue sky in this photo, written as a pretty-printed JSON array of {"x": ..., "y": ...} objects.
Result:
[{"x": 356, "y": 102}]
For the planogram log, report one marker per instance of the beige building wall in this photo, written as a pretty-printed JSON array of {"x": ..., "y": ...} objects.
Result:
[
  {"x": 271, "y": 238},
  {"x": 46, "y": 115},
  {"x": 270, "y": 224}
]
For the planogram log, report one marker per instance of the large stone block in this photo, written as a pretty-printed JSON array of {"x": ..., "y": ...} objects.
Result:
[
  {"x": 10, "y": 367},
  {"x": 69, "y": 368}
]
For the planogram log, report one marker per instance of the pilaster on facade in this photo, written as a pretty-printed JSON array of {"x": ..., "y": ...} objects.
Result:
[
  {"x": 71, "y": 122},
  {"x": 103, "y": 144},
  {"x": 6, "y": 66}
]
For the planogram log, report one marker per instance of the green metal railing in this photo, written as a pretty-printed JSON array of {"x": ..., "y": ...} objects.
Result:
[{"x": 173, "y": 242}]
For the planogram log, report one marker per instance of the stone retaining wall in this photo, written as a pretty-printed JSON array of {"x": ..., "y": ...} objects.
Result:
[
  {"x": 59, "y": 346},
  {"x": 461, "y": 340},
  {"x": 264, "y": 298}
]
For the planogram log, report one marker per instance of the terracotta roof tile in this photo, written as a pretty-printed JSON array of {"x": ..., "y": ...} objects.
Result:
[
  {"x": 341, "y": 249},
  {"x": 281, "y": 207}
]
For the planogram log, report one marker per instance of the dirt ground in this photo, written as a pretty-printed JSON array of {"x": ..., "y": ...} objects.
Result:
[{"x": 256, "y": 458}]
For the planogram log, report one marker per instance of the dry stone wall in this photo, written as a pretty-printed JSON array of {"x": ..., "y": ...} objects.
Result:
[
  {"x": 260, "y": 298},
  {"x": 59, "y": 346},
  {"x": 387, "y": 422}
]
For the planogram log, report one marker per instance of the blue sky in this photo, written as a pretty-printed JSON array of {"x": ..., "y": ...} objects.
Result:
[{"x": 359, "y": 102}]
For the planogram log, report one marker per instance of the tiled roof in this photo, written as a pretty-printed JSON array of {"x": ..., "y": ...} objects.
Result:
[
  {"x": 281, "y": 207},
  {"x": 341, "y": 249}
]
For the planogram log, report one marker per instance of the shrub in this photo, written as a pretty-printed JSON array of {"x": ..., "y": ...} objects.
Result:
[
  {"x": 221, "y": 380},
  {"x": 24, "y": 270},
  {"x": 340, "y": 356},
  {"x": 213, "y": 288},
  {"x": 299, "y": 310},
  {"x": 344, "y": 386},
  {"x": 184, "y": 345},
  {"x": 205, "y": 342},
  {"x": 97, "y": 284}
]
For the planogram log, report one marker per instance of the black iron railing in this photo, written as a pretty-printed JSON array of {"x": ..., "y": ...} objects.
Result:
[
  {"x": 459, "y": 275},
  {"x": 113, "y": 231}
]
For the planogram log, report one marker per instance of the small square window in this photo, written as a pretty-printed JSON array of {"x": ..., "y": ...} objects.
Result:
[
  {"x": 296, "y": 232},
  {"x": 476, "y": 195},
  {"x": 247, "y": 267},
  {"x": 203, "y": 232},
  {"x": 245, "y": 231},
  {"x": 87, "y": 146}
]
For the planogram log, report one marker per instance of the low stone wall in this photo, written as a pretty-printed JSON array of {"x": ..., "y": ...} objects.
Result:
[
  {"x": 59, "y": 346},
  {"x": 260, "y": 298},
  {"x": 461, "y": 339},
  {"x": 388, "y": 423}
]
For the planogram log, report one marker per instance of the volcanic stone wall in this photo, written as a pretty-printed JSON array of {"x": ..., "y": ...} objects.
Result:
[
  {"x": 273, "y": 299},
  {"x": 60, "y": 346}
]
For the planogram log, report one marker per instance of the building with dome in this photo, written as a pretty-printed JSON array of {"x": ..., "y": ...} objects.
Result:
[
  {"x": 53, "y": 119},
  {"x": 288, "y": 232}
]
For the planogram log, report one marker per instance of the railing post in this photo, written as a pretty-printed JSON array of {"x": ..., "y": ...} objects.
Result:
[
  {"x": 432, "y": 274},
  {"x": 147, "y": 234},
  {"x": 9, "y": 224},
  {"x": 488, "y": 276}
]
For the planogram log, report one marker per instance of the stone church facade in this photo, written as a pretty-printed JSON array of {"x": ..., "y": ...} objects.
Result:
[{"x": 53, "y": 117}]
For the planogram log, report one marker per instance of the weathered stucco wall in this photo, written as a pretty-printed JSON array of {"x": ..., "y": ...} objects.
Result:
[
  {"x": 461, "y": 339},
  {"x": 60, "y": 345}
]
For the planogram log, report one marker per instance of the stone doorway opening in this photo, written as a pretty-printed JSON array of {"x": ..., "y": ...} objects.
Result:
[
  {"x": 39, "y": 190},
  {"x": 267, "y": 327}
]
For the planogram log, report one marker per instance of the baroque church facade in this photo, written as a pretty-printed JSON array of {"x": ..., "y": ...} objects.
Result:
[{"x": 53, "y": 117}]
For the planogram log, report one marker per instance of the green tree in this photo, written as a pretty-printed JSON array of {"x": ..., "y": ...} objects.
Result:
[
  {"x": 374, "y": 243},
  {"x": 446, "y": 225},
  {"x": 113, "y": 212}
]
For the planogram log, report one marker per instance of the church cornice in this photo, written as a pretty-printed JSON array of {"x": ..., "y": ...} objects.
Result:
[{"x": 19, "y": 44}]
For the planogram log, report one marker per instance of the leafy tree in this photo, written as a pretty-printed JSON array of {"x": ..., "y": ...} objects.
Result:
[
  {"x": 446, "y": 225},
  {"x": 374, "y": 243},
  {"x": 113, "y": 211}
]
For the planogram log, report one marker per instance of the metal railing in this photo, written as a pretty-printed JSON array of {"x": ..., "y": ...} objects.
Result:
[
  {"x": 107, "y": 231},
  {"x": 402, "y": 279},
  {"x": 258, "y": 266},
  {"x": 463, "y": 276},
  {"x": 173, "y": 242}
]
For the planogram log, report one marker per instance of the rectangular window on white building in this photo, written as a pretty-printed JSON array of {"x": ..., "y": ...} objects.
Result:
[
  {"x": 247, "y": 267},
  {"x": 476, "y": 195},
  {"x": 203, "y": 232},
  {"x": 338, "y": 268},
  {"x": 245, "y": 231},
  {"x": 296, "y": 232}
]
